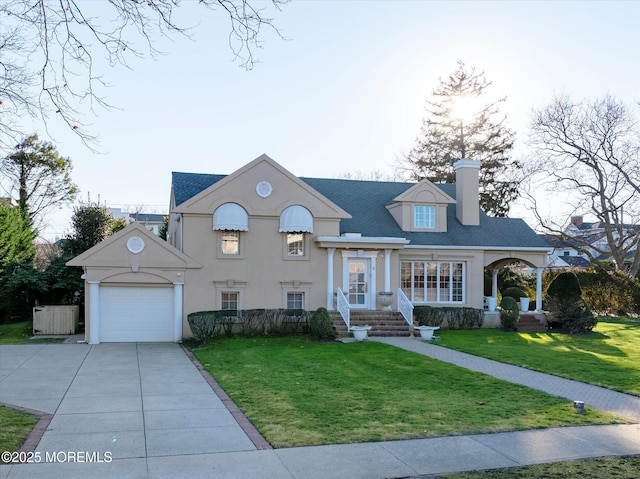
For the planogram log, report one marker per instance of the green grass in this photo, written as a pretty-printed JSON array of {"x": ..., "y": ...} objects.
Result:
[
  {"x": 14, "y": 428},
  {"x": 608, "y": 357},
  {"x": 20, "y": 333},
  {"x": 299, "y": 392},
  {"x": 602, "y": 468}
]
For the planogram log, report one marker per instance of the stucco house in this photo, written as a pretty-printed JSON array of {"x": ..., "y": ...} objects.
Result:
[{"x": 264, "y": 238}]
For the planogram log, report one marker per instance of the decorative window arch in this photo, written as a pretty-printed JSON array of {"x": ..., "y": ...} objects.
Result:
[
  {"x": 296, "y": 219},
  {"x": 230, "y": 217}
]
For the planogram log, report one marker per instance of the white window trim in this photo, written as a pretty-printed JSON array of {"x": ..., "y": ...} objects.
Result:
[
  {"x": 285, "y": 248},
  {"x": 229, "y": 286},
  {"x": 438, "y": 262},
  {"x": 296, "y": 286},
  {"x": 220, "y": 254},
  {"x": 433, "y": 208}
]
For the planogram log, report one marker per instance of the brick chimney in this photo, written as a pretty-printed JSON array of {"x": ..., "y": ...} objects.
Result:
[{"x": 467, "y": 192}]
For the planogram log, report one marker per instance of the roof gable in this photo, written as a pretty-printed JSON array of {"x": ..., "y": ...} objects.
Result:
[
  {"x": 242, "y": 187},
  {"x": 424, "y": 192},
  {"x": 114, "y": 252}
]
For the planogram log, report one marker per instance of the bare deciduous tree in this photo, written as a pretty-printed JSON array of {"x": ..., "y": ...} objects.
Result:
[
  {"x": 590, "y": 151},
  {"x": 51, "y": 51}
]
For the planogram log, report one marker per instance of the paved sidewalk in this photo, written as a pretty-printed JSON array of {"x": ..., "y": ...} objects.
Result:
[{"x": 601, "y": 398}]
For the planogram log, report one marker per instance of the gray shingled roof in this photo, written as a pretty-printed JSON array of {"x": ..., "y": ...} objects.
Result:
[
  {"x": 365, "y": 201},
  {"x": 187, "y": 185}
]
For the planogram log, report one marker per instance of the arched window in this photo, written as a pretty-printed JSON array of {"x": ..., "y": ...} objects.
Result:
[
  {"x": 296, "y": 220},
  {"x": 230, "y": 219}
]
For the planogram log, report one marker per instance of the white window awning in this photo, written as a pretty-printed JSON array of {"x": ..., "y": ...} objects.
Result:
[
  {"x": 230, "y": 217},
  {"x": 296, "y": 219}
]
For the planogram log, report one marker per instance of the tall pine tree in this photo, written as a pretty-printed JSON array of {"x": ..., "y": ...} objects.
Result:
[{"x": 478, "y": 133}]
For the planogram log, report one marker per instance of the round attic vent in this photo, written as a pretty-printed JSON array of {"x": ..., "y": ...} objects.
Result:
[
  {"x": 264, "y": 189},
  {"x": 135, "y": 244}
]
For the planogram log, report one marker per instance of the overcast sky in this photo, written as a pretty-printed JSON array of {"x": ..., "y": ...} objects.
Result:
[{"x": 344, "y": 92}]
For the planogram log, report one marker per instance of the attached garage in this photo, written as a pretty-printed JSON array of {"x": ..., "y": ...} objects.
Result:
[
  {"x": 134, "y": 288},
  {"x": 136, "y": 313}
]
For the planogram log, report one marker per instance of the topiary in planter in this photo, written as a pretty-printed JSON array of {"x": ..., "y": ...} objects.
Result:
[
  {"x": 509, "y": 314},
  {"x": 320, "y": 325},
  {"x": 514, "y": 292}
]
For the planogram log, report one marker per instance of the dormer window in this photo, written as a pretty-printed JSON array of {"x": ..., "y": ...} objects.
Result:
[{"x": 424, "y": 216}]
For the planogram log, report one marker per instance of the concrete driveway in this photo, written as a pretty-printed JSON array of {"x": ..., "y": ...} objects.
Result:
[{"x": 119, "y": 401}]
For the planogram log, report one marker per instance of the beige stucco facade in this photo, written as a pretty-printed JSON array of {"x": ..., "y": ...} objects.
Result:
[{"x": 259, "y": 270}]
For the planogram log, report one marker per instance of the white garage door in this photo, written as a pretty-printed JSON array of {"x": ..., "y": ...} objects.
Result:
[{"x": 136, "y": 314}]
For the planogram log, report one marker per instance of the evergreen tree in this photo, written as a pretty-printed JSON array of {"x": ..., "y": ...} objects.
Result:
[
  {"x": 16, "y": 237},
  {"x": 90, "y": 223},
  {"x": 40, "y": 178},
  {"x": 478, "y": 134}
]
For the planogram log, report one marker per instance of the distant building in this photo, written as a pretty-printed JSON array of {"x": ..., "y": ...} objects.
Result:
[
  {"x": 152, "y": 221},
  {"x": 568, "y": 253}
]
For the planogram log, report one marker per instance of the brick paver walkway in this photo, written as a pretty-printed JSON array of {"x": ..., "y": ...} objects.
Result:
[{"x": 618, "y": 403}]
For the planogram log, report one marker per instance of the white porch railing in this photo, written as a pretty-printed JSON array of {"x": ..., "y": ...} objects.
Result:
[
  {"x": 344, "y": 308},
  {"x": 405, "y": 307}
]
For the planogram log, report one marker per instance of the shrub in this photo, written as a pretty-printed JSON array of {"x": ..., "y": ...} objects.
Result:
[
  {"x": 202, "y": 325},
  {"x": 573, "y": 315},
  {"x": 428, "y": 316},
  {"x": 456, "y": 318},
  {"x": 248, "y": 322},
  {"x": 320, "y": 325},
  {"x": 610, "y": 292},
  {"x": 514, "y": 292},
  {"x": 565, "y": 285},
  {"x": 509, "y": 314},
  {"x": 567, "y": 309}
]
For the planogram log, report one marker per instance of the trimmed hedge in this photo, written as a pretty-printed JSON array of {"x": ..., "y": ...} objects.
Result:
[
  {"x": 456, "y": 318},
  {"x": 249, "y": 322}
]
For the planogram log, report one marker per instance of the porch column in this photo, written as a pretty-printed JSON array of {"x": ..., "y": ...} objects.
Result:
[
  {"x": 330, "y": 252},
  {"x": 494, "y": 282},
  {"x": 539, "y": 290},
  {"x": 387, "y": 270},
  {"x": 177, "y": 312},
  {"x": 94, "y": 312}
]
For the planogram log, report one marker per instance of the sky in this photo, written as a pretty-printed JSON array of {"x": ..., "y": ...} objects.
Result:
[{"x": 344, "y": 92}]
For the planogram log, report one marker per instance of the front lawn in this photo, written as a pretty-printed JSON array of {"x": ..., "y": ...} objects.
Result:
[
  {"x": 608, "y": 357},
  {"x": 299, "y": 392},
  {"x": 21, "y": 333},
  {"x": 14, "y": 428}
]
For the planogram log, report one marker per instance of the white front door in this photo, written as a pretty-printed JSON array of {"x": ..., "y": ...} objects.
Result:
[{"x": 359, "y": 283}]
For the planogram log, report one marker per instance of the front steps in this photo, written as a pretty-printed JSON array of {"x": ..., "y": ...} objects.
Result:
[
  {"x": 383, "y": 323},
  {"x": 531, "y": 323}
]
